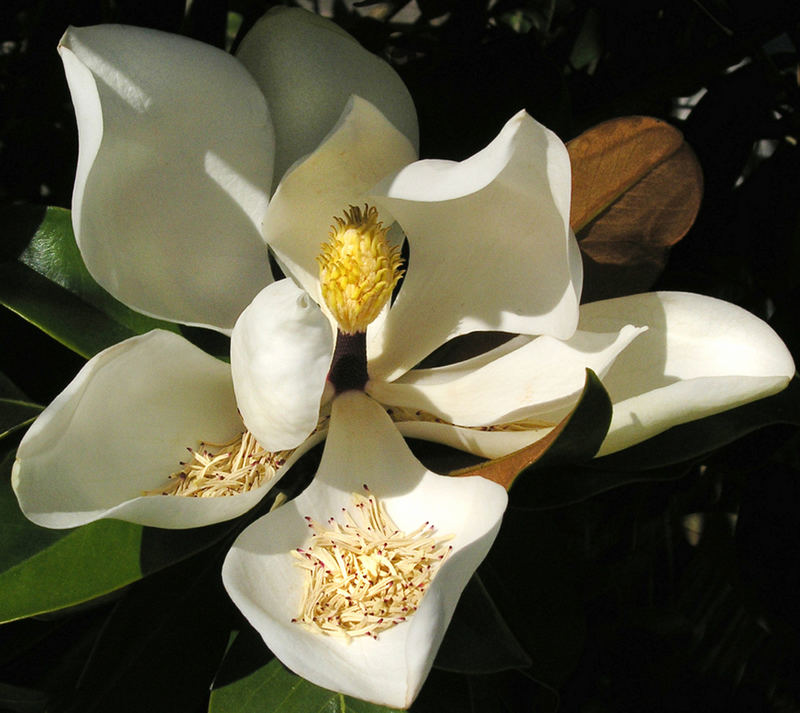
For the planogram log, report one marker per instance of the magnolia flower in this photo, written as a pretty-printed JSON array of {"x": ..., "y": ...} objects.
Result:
[
  {"x": 172, "y": 206},
  {"x": 490, "y": 249},
  {"x": 179, "y": 143},
  {"x": 263, "y": 581}
]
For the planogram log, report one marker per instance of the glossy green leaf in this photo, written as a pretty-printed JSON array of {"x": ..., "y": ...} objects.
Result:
[
  {"x": 66, "y": 318},
  {"x": 15, "y": 415},
  {"x": 161, "y": 644},
  {"x": 535, "y": 578},
  {"x": 9, "y": 390},
  {"x": 252, "y": 680},
  {"x": 19, "y": 638},
  {"x": 44, "y": 280},
  {"x": 45, "y": 570},
  {"x": 566, "y": 485},
  {"x": 22, "y": 700},
  {"x": 16, "y": 409}
]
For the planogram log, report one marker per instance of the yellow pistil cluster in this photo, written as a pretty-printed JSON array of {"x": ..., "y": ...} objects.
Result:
[
  {"x": 358, "y": 269},
  {"x": 217, "y": 470},
  {"x": 365, "y": 576}
]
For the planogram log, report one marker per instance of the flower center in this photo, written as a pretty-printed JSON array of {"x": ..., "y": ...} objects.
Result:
[
  {"x": 358, "y": 269},
  {"x": 365, "y": 576}
]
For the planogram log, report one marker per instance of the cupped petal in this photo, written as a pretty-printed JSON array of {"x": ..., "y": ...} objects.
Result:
[
  {"x": 281, "y": 351},
  {"x": 120, "y": 428},
  {"x": 174, "y": 172},
  {"x": 539, "y": 380},
  {"x": 699, "y": 356},
  {"x": 361, "y": 149},
  {"x": 490, "y": 243},
  {"x": 363, "y": 446},
  {"x": 308, "y": 67}
]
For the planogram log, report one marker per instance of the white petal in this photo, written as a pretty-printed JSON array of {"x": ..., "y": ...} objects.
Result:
[
  {"x": 363, "y": 447},
  {"x": 486, "y": 444},
  {"x": 361, "y": 149},
  {"x": 540, "y": 380},
  {"x": 174, "y": 172},
  {"x": 699, "y": 356},
  {"x": 491, "y": 247},
  {"x": 307, "y": 68},
  {"x": 281, "y": 351},
  {"x": 121, "y": 427}
]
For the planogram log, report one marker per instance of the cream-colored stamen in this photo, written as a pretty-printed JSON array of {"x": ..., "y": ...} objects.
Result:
[
  {"x": 402, "y": 413},
  {"x": 217, "y": 470},
  {"x": 358, "y": 269},
  {"x": 365, "y": 576}
]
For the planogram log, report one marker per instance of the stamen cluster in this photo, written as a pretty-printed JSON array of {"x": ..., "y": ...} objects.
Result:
[
  {"x": 224, "y": 469},
  {"x": 358, "y": 269},
  {"x": 403, "y": 413},
  {"x": 365, "y": 576}
]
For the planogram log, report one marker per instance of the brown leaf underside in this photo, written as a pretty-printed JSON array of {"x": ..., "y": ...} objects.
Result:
[
  {"x": 505, "y": 469},
  {"x": 611, "y": 157},
  {"x": 637, "y": 189}
]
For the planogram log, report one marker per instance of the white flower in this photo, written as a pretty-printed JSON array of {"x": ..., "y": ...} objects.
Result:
[
  {"x": 363, "y": 447},
  {"x": 172, "y": 188},
  {"x": 179, "y": 143},
  {"x": 173, "y": 203},
  {"x": 490, "y": 249}
]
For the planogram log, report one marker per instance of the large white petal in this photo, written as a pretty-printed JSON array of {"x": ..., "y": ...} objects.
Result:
[
  {"x": 491, "y": 247},
  {"x": 174, "y": 172},
  {"x": 479, "y": 442},
  {"x": 363, "y": 447},
  {"x": 121, "y": 427},
  {"x": 361, "y": 149},
  {"x": 307, "y": 68},
  {"x": 698, "y": 357},
  {"x": 281, "y": 351},
  {"x": 540, "y": 380}
]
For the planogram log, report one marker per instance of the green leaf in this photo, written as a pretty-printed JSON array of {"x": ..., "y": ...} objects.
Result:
[
  {"x": 478, "y": 639},
  {"x": 16, "y": 409},
  {"x": 535, "y": 577},
  {"x": 21, "y": 700},
  {"x": 252, "y": 680},
  {"x": 66, "y": 318},
  {"x": 161, "y": 645},
  {"x": 566, "y": 485},
  {"x": 44, "y": 280},
  {"x": 9, "y": 390},
  {"x": 45, "y": 570}
]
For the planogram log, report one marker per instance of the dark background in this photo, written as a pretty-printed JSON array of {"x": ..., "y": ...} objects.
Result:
[{"x": 629, "y": 612}]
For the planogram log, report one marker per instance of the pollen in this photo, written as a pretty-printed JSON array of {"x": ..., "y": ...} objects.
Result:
[
  {"x": 218, "y": 470},
  {"x": 365, "y": 575},
  {"x": 358, "y": 268}
]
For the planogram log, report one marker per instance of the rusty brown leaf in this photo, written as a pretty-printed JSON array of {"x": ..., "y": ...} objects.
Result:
[{"x": 636, "y": 190}]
